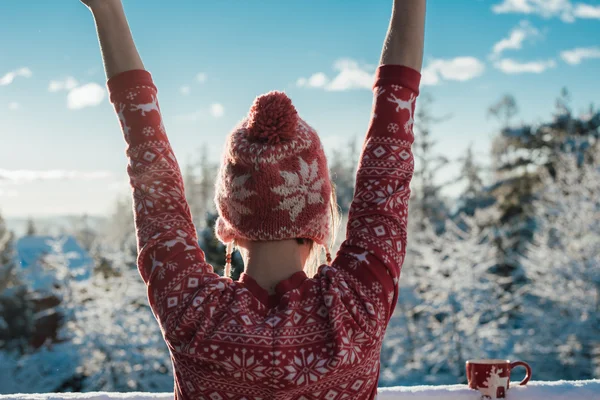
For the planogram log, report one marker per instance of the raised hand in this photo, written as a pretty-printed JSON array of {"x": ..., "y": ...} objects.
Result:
[
  {"x": 118, "y": 49},
  {"x": 93, "y": 3},
  {"x": 404, "y": 42}
]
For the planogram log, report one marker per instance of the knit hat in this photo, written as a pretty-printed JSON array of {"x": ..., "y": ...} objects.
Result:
[{"x": 273, "y": 183}]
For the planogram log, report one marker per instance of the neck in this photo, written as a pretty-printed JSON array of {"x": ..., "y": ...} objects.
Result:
[{"x": 269, "y": 263}]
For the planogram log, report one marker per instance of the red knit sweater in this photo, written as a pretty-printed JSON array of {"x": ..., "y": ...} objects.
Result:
[{"x": 316, "y": 338}]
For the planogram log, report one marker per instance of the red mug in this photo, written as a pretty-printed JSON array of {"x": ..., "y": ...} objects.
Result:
[{"x": 492, "y": 377}]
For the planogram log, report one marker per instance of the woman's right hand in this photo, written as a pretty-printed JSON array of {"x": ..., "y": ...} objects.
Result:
[
  {"x": 91, "y": 4},
  {"x": 118, "y": 49}
]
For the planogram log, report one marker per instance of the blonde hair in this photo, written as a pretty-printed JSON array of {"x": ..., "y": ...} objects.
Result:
[{"x": 315, "y": 259}]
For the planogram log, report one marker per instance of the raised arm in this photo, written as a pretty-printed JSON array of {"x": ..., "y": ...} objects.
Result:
[
  {"x": 116, "y": 42},
  {"x": 404, "y": 42},
  {"x": 376, "y": 235},
  {"x": 170, "y": 260}
]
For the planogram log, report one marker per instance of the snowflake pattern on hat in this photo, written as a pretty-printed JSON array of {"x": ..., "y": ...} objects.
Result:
[
  {"x": 235, "y": 207},
  {"x": 300, "y": 188}
]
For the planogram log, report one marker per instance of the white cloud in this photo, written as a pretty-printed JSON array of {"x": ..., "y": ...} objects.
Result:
[
  {"x": 576, "y": 55},
  {"x": 217, "y": 110},
  {"x": 78, "y": 96},
  {"x": 24, "y": 176},
  {"x": 10, "y": 76},
  {"x": 563, "y": 9},
  {"x": 509, "y": 66},
  {"x": 350, "y": 75},
  {"x": 316, "y": 80},
  {"x": 515, "y": 39},
  {"x": 14, "y": 106},
  {"x": 69, "y": 83},
  {"x": 201, "y": 77},
  {"x": 185, "y": 90},
  {"x": 455, "y": 69},
  {"x": 587, "y": 11},
  {"x": 429, "y": 77},
  {"x": 88, "y": 95}
]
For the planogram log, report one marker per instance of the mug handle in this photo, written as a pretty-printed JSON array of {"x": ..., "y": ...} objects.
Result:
[{"x": 527, "y": 367}]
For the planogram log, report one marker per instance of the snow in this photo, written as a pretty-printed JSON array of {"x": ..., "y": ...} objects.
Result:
[
  {"x": 559, "y": 390},
  {"x": 31, "y": 248},
  {"x": 38, "y": 254}
]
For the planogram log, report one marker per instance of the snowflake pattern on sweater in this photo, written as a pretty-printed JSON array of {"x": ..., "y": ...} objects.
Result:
[{"x": 315, "y": 338}]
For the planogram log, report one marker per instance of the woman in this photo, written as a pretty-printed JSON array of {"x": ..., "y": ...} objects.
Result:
[{"x": 275, "y": 333}]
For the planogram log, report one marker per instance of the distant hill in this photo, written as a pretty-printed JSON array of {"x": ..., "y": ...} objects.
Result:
[{"x": 55, "y": 225}]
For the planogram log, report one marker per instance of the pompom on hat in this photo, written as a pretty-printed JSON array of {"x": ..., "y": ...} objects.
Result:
[
  {"x": 273, "y": 183},
  {"x": 272, "y": 118}
]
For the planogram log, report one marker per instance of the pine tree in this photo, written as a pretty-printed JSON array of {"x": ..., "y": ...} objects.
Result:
[
  {"x": 120, "y": 230},
  {"x": 215, "y": 251},
  {"x": 504, "y": 110},
  {"x": 7, "y": 263},
  {"x": 199, "y": 183},
  {"x": 31, "y": 229},
  {"x": 426, "y": 187},
  {"x": 113, "y": 330},
  {"x": 83, "y": 231},
  {"x": 563, "y": 266},
  {"x": 520, "y": 153},
  {"x": 474, "y": 195},
  {"x": 448, "y": 309},
  {"x": 16, "y": 310},
  {"x": 343, "y": 166}
]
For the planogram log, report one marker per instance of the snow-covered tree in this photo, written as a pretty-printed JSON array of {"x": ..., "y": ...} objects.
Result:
[
  {"x": 447, "y": 311},
  {"x": 199, "y": 179},
  {"x": 426, "y": 186},
  {"x": 45, "y": 370},
  {"x": 120, "y": 229},
  {"x": 83, "y": 231},
  {"x": 107, "y": 339},
  {"x": 7, "y": 263},
  {"x": 115, "y": 334},
  {"x": 34, "y": 357},
  {"x": 520, "y": 155},
  {"x": 342, "y": 166},
  {"x": 215, "y": 251},
  {"x": 504, "y": 110},
  {"x": 475, "y": 193},
  {"x": 31, "y": 229},
  {"x": 563, "y": 266},
  {"x": 16, "y": 309}
]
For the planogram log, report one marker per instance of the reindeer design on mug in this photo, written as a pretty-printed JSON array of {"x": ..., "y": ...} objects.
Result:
[
  {"x": 495, "y": 385},
  {"x": 147, "y": 107},
  {"x": 404, "y": 105}
]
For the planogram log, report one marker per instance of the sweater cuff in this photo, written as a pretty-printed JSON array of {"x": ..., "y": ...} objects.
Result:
[
  {"x": 127, "y": 80},
  {"x": 398, "y": 75}
]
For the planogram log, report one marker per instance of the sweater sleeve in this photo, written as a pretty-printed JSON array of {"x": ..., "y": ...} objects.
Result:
[
  {"x": 375, "y": 244},
  {"x": 169, "y": 258}
]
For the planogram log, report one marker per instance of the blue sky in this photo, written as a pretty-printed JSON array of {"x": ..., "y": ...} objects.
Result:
[{"x": 61, "y": 150}]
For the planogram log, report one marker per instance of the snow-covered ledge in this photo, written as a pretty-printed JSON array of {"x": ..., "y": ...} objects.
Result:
[{"x": 559, "y": 390}]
